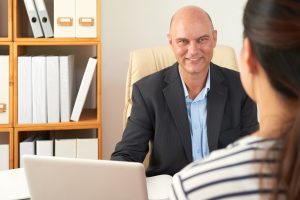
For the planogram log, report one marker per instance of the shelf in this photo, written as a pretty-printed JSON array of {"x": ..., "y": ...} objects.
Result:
[
  {"x": 63, "y": 41},
  {"x": 88, "y": 119},
  {"x": 4, "y": 39}
]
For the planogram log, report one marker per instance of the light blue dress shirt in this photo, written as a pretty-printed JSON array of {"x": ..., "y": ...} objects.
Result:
[{"x": 197, "y": 114}]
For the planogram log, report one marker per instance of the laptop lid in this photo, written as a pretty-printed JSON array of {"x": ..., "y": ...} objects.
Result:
[{"x": 73, "y": 178}]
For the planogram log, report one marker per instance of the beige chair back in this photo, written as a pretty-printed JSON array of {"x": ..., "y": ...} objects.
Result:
[{"x": 143, "y": 62}]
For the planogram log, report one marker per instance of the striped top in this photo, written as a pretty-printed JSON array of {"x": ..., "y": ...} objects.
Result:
[{"x": 238, "y": 172}]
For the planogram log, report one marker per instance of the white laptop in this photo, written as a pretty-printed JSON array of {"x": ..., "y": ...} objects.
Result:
[{"x": 57, "y": 178}]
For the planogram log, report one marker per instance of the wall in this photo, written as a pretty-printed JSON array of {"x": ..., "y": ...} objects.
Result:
[{"x": 130, "y": 24}]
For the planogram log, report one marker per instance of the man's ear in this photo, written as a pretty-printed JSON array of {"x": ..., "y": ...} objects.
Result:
[
  {"x": 249, "y": 58},
  {"x": 169, "y": 39},
  {"x": 215, "y": 37}
]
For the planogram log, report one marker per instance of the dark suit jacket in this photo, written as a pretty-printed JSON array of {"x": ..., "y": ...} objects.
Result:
[{"x": 159, "y": 115}]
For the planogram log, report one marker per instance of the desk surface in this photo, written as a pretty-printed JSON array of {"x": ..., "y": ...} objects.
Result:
[{"x": 13, "y": 184}]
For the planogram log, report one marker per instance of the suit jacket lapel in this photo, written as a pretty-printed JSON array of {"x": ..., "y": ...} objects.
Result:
[
  {"x": 216, "y": 100},
  {"x": 174, "y": 95}
]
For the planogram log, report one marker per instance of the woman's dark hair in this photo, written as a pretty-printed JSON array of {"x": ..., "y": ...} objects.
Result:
[{"x": 273, "y": 29}]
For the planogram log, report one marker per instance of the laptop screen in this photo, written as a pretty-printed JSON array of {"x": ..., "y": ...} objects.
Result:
[{"x": 77, "y": 179}]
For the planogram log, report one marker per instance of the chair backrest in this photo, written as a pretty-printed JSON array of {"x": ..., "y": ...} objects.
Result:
[{"x": 143, "y": 62}]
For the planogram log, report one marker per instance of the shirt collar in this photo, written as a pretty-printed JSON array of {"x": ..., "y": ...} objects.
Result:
[{"x": 203, "y": 92}]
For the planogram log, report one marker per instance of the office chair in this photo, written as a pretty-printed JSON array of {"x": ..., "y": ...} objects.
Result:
[{"x": 143, "y": 62}]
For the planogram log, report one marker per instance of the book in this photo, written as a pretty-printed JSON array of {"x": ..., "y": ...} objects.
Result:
[
  {"x": 24, "y": 90},
  {"x": 53, "y": 87},
  {"x": 67, "y": 86},
  {"x": 158, "y": 187},
  {"x": 83, "y": 89},
  {"x": 39, "y": 92}
]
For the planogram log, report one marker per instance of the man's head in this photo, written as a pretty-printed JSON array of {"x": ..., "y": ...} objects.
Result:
[{"x": 192, "y": 38}]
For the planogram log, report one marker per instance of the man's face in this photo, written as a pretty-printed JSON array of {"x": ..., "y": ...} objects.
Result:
[{"x": 193, "y": 41}]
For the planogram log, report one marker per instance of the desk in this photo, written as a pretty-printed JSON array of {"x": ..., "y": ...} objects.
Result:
[{"x": 13, "y": 184}]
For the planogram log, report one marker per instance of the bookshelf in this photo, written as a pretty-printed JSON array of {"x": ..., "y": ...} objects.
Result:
[{"x": 16, "y": 38}]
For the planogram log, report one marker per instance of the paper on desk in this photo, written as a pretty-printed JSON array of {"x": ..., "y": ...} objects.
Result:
[
  {"x": 13, "y": 184},
  {"x": 158, "y": 187}
]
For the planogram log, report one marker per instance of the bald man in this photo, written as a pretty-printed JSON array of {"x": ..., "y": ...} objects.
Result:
[{"x": 189, "y": 109}]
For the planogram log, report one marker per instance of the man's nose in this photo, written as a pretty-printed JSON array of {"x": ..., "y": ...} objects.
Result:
[{"x": 193, "y": 48}]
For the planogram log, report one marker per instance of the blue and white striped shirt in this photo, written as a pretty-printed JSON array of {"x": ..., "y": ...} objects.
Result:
[{"x": 241, "y": 171}]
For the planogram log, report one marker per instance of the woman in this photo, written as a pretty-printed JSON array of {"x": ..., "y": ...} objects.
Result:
[{"x": 265, "y": 165}]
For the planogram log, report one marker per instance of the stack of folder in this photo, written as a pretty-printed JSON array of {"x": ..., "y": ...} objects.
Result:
[
  {"x": 68, "y": 147},
  {"x": 46, "y": 89}
]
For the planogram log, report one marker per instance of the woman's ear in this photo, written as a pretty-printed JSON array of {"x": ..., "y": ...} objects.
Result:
[{"x": 248, "y": 57}]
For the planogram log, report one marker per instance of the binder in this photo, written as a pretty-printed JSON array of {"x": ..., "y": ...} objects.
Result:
[
  {"x": 33, "y": 18},
  {"x": 44, "y": 147},
  {"x": 53, "y": 102},
  {"x": 65, "y": 148},
  {"x": 64, "y": 18},
  {"x": 4, "y": 89},
  {"x": 44, "y": 18},
  {"x": 4, "y": 156},
  {"x": 67, "y": 86},
  {"x": 87, "y": 148},
  {"x": 39, "y": 105},
  {"x": 24, "y": 90},
  {"x": 83, "y": 90},
  {"x": 27, "y": 147},
  {"x": 86, "y": 18}
]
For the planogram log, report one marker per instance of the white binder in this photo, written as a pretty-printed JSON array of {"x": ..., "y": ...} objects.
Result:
[
  {"x": 67, "y": 86},
  {"x": 27, "y": 147},
  {"x": 53, "y": 102},
  {"x": 65, "y": 148},
  {"x": 86, "y": 18},
  {"x": 64, "y": 18},
  {"x": 44, "y": 18},
  {"x": 44, "y": 147},
  {"x": 39, "y": 101},
  {"x": 33, "y": 18},
  {"x": 4, "y": 89},
  {"x": 4, "y": 156},
  {"x": 87, "y": 148},
  {"x": 24, "y": 90},
  {"x": 84, "y": 88}
]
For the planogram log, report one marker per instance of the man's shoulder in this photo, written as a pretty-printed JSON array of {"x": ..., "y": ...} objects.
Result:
[
  {"x": 159, "y": 76},
  {"x": 224, "y": 70},
  {"x": 231, "y": 77}
]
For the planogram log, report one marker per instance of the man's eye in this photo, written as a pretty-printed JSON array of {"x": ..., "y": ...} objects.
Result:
[
  {"x": 182, "y": 42},
  {"x": 202, "y": 40}
]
